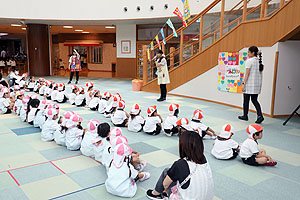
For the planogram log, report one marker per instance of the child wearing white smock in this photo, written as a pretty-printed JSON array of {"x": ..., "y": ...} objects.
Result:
[
  {"x": 40, "y": 117},
  {"x": 23, "y": 110},
  {"x": 153, "y": 122},
  {"x": 170, "y": 126},
  {"x": 74, "y": 133},
  {"x": 54, "y": 92},
  {"x": 73, "y": 94},
  {"x": 5, "y": 103},
  {"x": 120, "y": 116},
  {"x": 60, "y": 133},
  {"x": 18, "y": 103},
  {"x": 62, "y": 96},
  {"x": 80, "y": 98},
  {"x": 196, "y": 124},
  {"x": 89, "y": 93},
  {"x": 135, "y": 122},
  {"x": 50, "y": 125},
  {"x": 95, "y": 101},
  {"x": 33, "y": 109},
  {"x": 104, "y": 102},
  {"x": 87, "y": 147}
]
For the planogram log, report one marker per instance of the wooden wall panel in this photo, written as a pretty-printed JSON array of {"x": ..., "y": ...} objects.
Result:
[
  {"x": 126, "y": 68},
  {"x": 262, "y": 33}
]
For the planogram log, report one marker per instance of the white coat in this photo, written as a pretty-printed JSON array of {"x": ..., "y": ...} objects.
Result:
[
  {"x": 87, "y": 146},
  {"x": 48, "y": 130},
  {"x": 162, "y": 73}
]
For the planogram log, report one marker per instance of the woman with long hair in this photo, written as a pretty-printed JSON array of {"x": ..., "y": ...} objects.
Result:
[{"x": 74, "y": 66}]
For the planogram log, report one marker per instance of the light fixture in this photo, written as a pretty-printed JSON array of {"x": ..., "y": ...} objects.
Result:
[
  {"x": 16, "y": 25},
  {"x": 3, "y": 34},
  {"x": 85, "y": 32},
  {"x": 151, "y": 7},
  {"x": 23, "y": 29},
  {"x": 125, "y": 9},
  {"x": 195, "y": 39},
  {"x": 68, "y": 26},
  {"x": 78, "y": 30},
  {"x": 166, "y": 6},
  {"x": 109, "y": 27},
  {"x": 138, "y": 8}
]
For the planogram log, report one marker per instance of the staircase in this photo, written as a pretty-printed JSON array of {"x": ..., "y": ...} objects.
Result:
[{"x": 223, "y": 29}]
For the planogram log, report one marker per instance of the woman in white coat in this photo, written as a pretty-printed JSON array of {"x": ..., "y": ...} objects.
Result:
[{"x": 162, "y": 74}]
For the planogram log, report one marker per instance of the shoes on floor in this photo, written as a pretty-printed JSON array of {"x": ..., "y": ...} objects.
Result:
[
  {"x": 145, "y": 177},
  {"x": 150, "y": 195},
  {"x": 161, "y": 99},
  {"x": 245, "y": 118},
  {"x": 69, "y": 82},
  {"x": 259, "y": 120},
  {"x": 76, "y": 82},
  {"x": 271, "y": 163}
]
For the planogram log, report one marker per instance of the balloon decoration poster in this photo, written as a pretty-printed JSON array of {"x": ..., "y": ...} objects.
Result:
[{"x": 231, "y": 71}]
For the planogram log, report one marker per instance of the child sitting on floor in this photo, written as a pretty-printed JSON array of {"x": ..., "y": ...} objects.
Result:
[
  {"x": 87, "y": 147},
  {"x": 89, "y": 92},
  {"x": 73, "y": 94},
  {"x": 22, "y": 81},
  {"x": 120, "y": 116},
  {"x": 74, "y": 133},
  {"x": 250, "y": 153},
  {"x": 32, "y": 110},
  {"x": 62, "y": 96},
  {"x": 95, "y": 101},
  {"x": 104, "y": 102},
  {"x": 196, "y": 124},
  {"x": 80, "y": 98},
  {"x": 122, "y": 176},
  {"x": 170, "y": 126},
  {"x": 60, "y": 133},
  {"x": 153, "y": 121},
  {"x": 54, "y": 92},
  {"x": 43, "y": 87},
  {"x": 50, "y": 125},
  {"x": 224, "y": 147},
  {"x": 23, "y": 110},
  {"x": 112, "y": 107},
  {"x": 6, "y": 104},
  {"x": 18, "y": 103},
  {"x": 40, "y": 117},
  {"x": 31, "y": 84},
  {"x": 101, "y": 141},
  {"x": 15, "y": 90},
  {"x": 136, "y": 122}
]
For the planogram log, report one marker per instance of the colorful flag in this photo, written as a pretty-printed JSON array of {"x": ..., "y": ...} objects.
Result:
[
  {"x": 179, "y": 14},
  {"x": 148, "y": 53},
  {"x": 157, "y": 40},
  {"x": 186, "y": 11},
  {"x": 151, "y": 46},
  {"x": 170, "y": 24},
  {"x": 163, "y": 35}
]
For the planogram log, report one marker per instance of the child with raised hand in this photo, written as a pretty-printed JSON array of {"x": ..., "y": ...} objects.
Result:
[
  {"x": 89, "y": 92},
  {"x": 153, "y": 121},
  {"x": 50, "y": 125},
  {"x": 95, "y": 101},
  {"x": 87, "y": 147},
  {"x": 224, "y": 147},
  {"x": 74, "y": 133},
  {"x": 60, "y": 133},
  {"x": 80, "y": 98},
  {"x": 73, "y": 94},
  {"x": 136, "y": 122},
  {"x": 32, "y": 110},
  {"x": 196, "y": 123},
  {"x": 62, "y": 96},
  {"x": 122, "y": 176},
  {"x": 6, "y": 104},
  {"x": 18, "y": 104},
  {"x": 54, "y": 92},
  {"x": 170, "y": 126},
  {"x": 250, "y": 153},
  {"x": 40, "y": 117},
  {"x": 104, "y": 102},
  {"x": 101, "y": 141},
  {"x": 112, "y": 107},
  {"x": 31, "y": 84},
  {"x": 120, "y": 116}
]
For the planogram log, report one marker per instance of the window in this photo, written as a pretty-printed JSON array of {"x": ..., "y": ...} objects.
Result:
[{"x": 95, "y": 55}]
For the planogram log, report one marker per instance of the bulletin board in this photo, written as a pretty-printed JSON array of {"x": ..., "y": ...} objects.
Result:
[{"x": 231, "y": 71}]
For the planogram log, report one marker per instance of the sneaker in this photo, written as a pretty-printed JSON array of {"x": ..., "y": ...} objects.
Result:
[
  {"x": 150, "y": 195},
  {"x": 271, "y": 163},
  {"x": 259, "y": 120},
  {"x": 245, "y": 118},
  {"x": 140, "y": 167},
  {"x": 159, "y": 99},
  {"x": 169, "y": 134},
  {"x": 145, "y": 177}
]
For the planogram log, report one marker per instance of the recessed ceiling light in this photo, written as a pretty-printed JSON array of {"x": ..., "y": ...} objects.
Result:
[
  {"x": 78, "y": 30},
  {"x": 23, "y": 28},
  {"x": 109, "y": 27},
  {"x": 16, "y": 25},
  {"x": 85, "y": 32},
  {"x": 195, "y": 39},
  {"x": 68, "y": 26},
  {"x": 3, "y": 34}
]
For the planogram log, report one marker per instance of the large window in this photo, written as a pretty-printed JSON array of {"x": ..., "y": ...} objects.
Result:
[{"x": 95, "y": 55}]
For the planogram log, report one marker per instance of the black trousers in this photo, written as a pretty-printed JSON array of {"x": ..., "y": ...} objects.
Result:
[
  {"x": 163, "y": 91},
  {"x": 254, "y": 101},
  {"x": 72, "y": 74}
]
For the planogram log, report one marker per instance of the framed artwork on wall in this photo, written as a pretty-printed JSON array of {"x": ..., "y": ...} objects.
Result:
[{"x": 126, "y": 46}]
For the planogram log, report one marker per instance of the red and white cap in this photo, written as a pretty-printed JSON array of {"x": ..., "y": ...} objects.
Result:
[
  {"x": 118, "y": 140},
  {"x": 61, "y": 86},
  {"x": 172, "y": 108},
  {"x": 26, "y": 99},
  {"x": 51, "y": 113},
  {"x": 107, "y": 95},
  {"x": 254, "y": 128},
  {"x": 74, "y": 120},
  {"x": 95, "y": 92},
  {"x": 151, "y": 110},
  {"x": 93, "y": 125},
  {"x": 198, "y": 114},
  {"x": 73, "y": 87},
  {"x": 80, "y": 89},
  {"x": 19, "y": 93},
  {"x": 135, "y": 109},
  {"x": 116, "y": 100},
  {"x": 41, "y": 79},
  {"x": 3, "y": 91},
  {"x": 226, "y": 132},
  {"x": 24, "y": 75},
  {"x": 43, "y": 104},
  {"x": 184, "y": 123},
  {"x": 120, "y": 152},
  {"x": 121, "y": 104},
  {"x": 17, "y": 87},
  {"x": 115, "y": 132},
  {"x": 89, "y": 84},
  {"x": 48, "y": 83}
]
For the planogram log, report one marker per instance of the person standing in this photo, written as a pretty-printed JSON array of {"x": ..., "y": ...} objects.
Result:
[
  {"x": 74, "y": 66},
  {"x": 252, "y": 83},
  {"x": 162, "y": 74}
]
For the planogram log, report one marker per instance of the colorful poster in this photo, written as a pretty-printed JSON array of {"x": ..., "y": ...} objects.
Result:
[
  {"x": 186, "y": 9},
  {"x": 157, "y": 40},
  {"x": 170, "y": 24},
  {"x": 163, "y": 35},
  {"x": 179, "y": 14},
  {"x": 231, "y": 71}
]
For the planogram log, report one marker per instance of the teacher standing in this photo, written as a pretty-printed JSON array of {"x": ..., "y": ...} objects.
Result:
[
  {"x": 74, "y": 66},
  {"x": 162, "y": 74},
  {"x": 252, "y": 83}
]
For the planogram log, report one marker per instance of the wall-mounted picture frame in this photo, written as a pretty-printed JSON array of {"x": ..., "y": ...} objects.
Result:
[{"x": 125, "y": 46}]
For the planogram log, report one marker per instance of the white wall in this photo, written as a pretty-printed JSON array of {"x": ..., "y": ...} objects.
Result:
[
  {"x": 288, "y": 74},
  {"x": 205, "y": 85},
  {"x": 126, "y": 32}
]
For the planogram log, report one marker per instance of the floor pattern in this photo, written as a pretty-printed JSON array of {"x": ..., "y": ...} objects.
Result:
[{"x": 36, "y": 170}]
